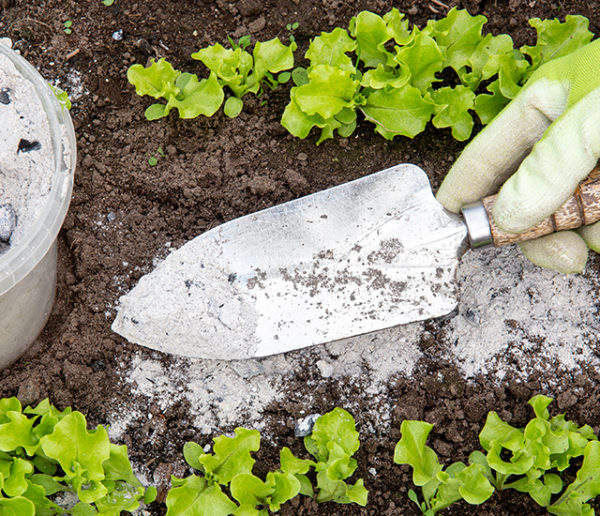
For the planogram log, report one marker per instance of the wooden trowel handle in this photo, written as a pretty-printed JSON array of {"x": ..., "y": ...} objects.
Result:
[{"x": 581, "y": 209}]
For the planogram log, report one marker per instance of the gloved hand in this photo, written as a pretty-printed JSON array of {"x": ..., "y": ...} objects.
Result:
[{"x": 544, "y": 142}]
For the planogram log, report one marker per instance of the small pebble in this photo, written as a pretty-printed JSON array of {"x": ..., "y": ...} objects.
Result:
[
  {"x": 301, "y": 156},
  {"x": 305, "y": 425},
  {"x": 472, "y": 316},
  {"x": 8, "y": 221},
  {"x": 117, "y": 35},
  {"x": 325, "y": 368},
  {"x": 111, "y": 216},
  {"x": 4, "y": 96},
  {"x": 247, "y": 368}
]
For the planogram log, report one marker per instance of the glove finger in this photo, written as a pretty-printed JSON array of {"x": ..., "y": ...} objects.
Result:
[
  {"x": 495, "y": 153},
  {"x": 591, "y": 235},
  {"x": 550, "y": 174},
  {"x": 563, "y": 252}
]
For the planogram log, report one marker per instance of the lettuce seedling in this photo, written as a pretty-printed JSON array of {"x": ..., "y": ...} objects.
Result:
[
  {"x": 44, "y": 451},
  {"x": 439, "y": 487},
  {"x": 531, "y": 459},
  {"x": 228, "y": 468},
  {"x": 182, "y": 90},
  {"x": 401, "y": 78},
  {"x": 332, "y": 443},
  {"x": 243, "y": 72}
]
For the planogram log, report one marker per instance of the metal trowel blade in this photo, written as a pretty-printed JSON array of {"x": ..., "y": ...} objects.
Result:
[{"x": 373, "y": 253}]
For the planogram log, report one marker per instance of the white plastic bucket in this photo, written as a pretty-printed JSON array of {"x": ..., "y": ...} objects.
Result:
[{"x": 28, "y": 269}]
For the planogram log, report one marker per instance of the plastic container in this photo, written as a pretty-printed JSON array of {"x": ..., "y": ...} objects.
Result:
[{"x": 28, "y": 269}]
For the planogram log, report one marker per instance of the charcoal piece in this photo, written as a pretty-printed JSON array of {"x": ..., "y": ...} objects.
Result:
[
  {"x": 8, "y": 221},
  {"x": 5, "y": 96},
  {"x": 27, "y": 146}
]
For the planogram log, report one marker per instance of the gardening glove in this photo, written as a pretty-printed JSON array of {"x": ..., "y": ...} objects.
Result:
[{"x": 544, "y": 142}]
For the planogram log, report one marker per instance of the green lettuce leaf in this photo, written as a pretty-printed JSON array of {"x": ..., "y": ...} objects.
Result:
[
  {"x": 331, "y": 48},
  {"x": 412, "y": 450},
  {"x": 75, "y": 448},
  {"x": 556, "y": 39},
  {"x": 337, "y": 426},
  {"x": 15, "y": 474},
  {"x": 487, "y": 58},
  {"x": 384, "y": 77},
  {"x": 452, "y": 107},
  {"x": 285, "y": 486},
  {"x": 397, "y": 27},
  {"x": 249, "y": 491},
  {"x": 18, "y": 506},
  {"x": 487, "y": 106},
  {"x": 585, "y": 486},
  {"x": 193, "y": 496},
  {"x": 272, "y": 56},
  {"x": 231, "y": 455},
  {"x": 371, "y": 33},
  {"x": 196, "y": 97},
  {"x": 299, "y": 124},
  {"x": 297, "y": 467},
  {"x": 18, "y": 433},
  {"x": 423, "y": 58},
  {"x": 540, "y": 488},
  {"x": 156, "y": 80},
  {"x": 474, "y": 486},
  {"x": 457, "y": 35},
  {"x": 399, "y": 111},
  {"x": 328, "y": 91}
]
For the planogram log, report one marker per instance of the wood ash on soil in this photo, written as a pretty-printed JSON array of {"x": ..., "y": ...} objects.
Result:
[{"x": 519, "y": 314}]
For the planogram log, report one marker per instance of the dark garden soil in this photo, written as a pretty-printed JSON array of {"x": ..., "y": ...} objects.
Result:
[{"x": 124, "y": 211}]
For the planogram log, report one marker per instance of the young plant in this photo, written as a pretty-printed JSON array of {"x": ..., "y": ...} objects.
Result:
[
  {"x": 182, "y": 90},
  {"x": 392, "y": 73},
  {"x": 67, "y": 27},
  {"x": 234, "y": 68},
  {"x": 440, "y": 487},
  {"x": 44, "y": 451},
  {"x": 532, "y": 459},
  {"x": 332, "y": 443},
  {"x": 243, "y": 72},
  {"x": 291, "y": 27},
  {"x": 229, "y": 467}
]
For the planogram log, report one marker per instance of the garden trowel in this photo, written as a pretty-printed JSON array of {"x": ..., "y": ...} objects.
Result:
[{"x": 373, "y": 253}]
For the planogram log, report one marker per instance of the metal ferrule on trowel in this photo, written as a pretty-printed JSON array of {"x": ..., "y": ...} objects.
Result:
[{"x": 582, "y": 208}]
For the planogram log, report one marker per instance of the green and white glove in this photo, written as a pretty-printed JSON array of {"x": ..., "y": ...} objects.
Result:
[{"x": 541, "y": 146}]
